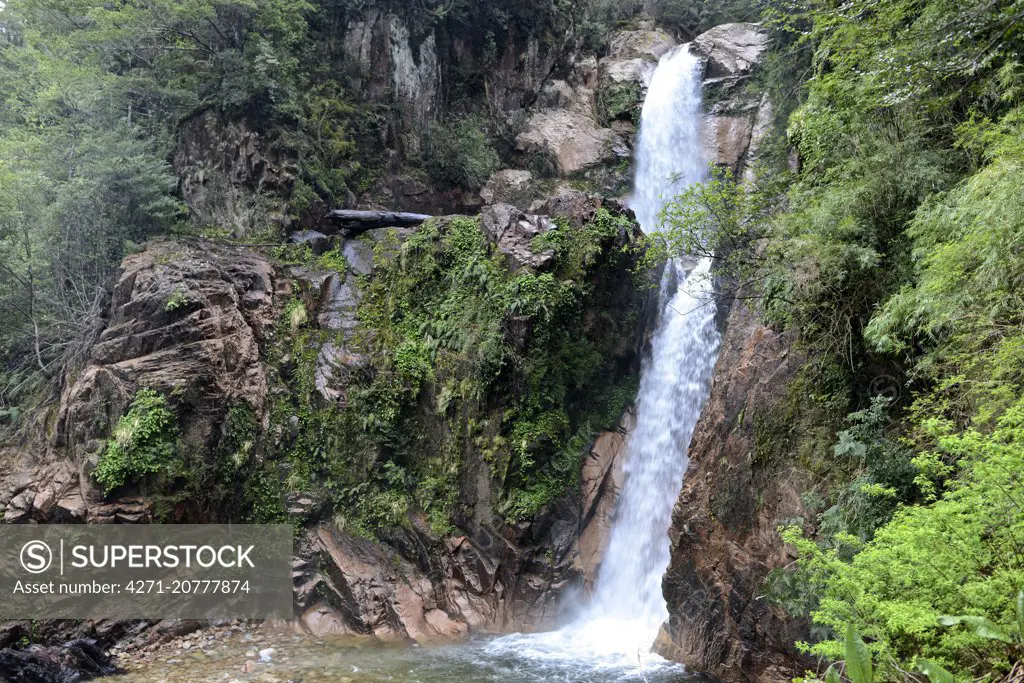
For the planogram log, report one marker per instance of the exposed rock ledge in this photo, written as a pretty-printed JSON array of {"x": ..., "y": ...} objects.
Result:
[
  {"x": 566, "y": 127},
  {"x": 734, "y": 118}
]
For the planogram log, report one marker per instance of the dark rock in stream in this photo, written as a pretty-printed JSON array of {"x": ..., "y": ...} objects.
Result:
[{"x": 76, "y": 660}]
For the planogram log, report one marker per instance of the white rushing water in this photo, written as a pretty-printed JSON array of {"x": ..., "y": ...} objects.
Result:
[
  {"x": 613, "y": 635},
  {"x": 675, "y": 378}
]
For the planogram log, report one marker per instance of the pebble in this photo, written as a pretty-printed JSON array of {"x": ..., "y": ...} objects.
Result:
[{"x": 266, "y": 654}]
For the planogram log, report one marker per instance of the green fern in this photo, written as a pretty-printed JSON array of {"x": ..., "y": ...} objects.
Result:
[{"x": 143, "y": 442}]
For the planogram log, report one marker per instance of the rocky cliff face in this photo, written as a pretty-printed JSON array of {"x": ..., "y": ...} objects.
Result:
[
  {"x": 184, "y": 318},
  {"x": 205, "y": 324},
  {"x": 226, "y": 173},
  {"x": 490, "y": 574},
  {"x": 724, "y": 537},
  {"x": 552, "y": 108},
  {"x": 583, "y": 126},
  {"x": 213, "y": 328},
  {"x": 736, "y": 117}
]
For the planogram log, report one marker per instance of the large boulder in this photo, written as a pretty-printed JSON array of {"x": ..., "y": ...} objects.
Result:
[
  {"x": 510, "y": 186},
  {"x": 730, "y": 49},
  {"x": 513, "y": 231},
  {"x": 184, "y": 318},
  {"x": 626, "y": 71},
  {"x": 568, "y": 129},
  {"x": 572, "y": 141}
]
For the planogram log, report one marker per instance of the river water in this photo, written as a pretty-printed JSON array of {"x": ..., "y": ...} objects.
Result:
[{"x": 611, "y": 636}]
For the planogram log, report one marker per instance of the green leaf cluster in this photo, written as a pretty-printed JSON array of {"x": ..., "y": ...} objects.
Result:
[
  {"x": 447, "y": 318},
  {"x": 460, "y": 366},
  {"x": 461, "y": 153},
  {"x": 143, "y": 442},
  {"x": 960, "y": 554}
]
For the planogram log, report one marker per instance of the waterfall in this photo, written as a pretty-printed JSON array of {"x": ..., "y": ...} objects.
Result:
[
  {"x": 614, "y": 633},
  {"x": 628, "y": 606},
  {"x": 668, "y": 145}
]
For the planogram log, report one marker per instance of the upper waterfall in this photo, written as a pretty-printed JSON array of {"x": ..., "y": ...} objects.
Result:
[{"x": 668, "y": 145}]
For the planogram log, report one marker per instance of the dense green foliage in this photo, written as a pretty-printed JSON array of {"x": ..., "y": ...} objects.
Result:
[
  {"x": 95, "y": 96},
  {"x": 686, "y": 18},
  {"x": 467, "y": 359},
  {"x": 186, "y": 481},
  {"x": 955, "y": 556}
]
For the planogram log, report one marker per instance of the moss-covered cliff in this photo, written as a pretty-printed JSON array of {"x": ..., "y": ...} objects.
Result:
[{"x": 406, "y": 386}]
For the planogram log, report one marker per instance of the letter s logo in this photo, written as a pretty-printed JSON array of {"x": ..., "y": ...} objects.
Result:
[{"x": 36, "y": 557}]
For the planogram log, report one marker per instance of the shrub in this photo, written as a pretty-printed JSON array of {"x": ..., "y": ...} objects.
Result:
[
  {"x": 143, "y": 442},
  {"x": 178, "y": 299},
  {"x": 623, "y": 101},
  {"x": 461, "y": 152},
  {"x": 960, "y": 555}
]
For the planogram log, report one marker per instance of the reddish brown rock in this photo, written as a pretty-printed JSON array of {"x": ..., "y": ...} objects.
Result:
[
  {"x": 376, "y": 592},
  {"x": 724, "y": 537},
  {"x": 602, "y": 483},
  {"x": 184, "y": 318}
]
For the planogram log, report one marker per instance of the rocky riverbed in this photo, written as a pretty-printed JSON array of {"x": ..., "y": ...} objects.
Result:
[
  {"x": 249, "y": 653},
  {"x": 240, "y": 652}
]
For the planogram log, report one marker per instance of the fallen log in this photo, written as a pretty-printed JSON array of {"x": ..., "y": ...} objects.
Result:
[{"x": 358, "y": 221}]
